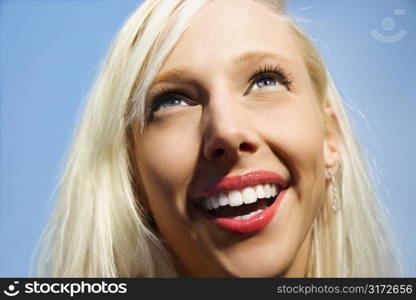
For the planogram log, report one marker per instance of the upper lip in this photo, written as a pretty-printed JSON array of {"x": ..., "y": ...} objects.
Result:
[{"x": 242, "y": 181}]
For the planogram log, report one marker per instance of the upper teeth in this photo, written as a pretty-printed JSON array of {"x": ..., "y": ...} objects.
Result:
[{"x": 237, "y": 198}]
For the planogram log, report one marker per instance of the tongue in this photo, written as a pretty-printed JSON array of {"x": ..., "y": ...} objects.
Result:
[{"x": 230, "y": 211}]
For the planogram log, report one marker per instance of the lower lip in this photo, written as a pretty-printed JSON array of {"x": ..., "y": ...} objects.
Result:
[{"x": 253, "y": 224}]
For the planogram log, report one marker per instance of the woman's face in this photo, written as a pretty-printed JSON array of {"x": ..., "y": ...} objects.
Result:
[{"x": 232, "y": 161}]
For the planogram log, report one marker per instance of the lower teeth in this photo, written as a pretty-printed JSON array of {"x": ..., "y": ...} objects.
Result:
[{"x": 247, "y": 216}]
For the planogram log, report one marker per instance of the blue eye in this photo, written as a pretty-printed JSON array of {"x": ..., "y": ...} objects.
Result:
[
  {"x": 169, "y": 99},
  {"x": 266, "y": 81},
  {"x": 171, "y": 102},
  {"x": 271, "y": 76}
]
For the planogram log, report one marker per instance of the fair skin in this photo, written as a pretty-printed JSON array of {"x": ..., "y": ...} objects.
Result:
[{"x": 216, "y": 123}]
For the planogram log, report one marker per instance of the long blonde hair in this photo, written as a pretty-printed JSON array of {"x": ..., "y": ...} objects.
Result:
[{"x": 99, "y": 229}]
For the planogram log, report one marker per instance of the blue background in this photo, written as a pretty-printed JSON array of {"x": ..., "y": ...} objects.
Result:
[{"x": 50, "y": 52}]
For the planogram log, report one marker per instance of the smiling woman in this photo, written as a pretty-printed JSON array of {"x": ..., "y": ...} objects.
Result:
[{"x": 213, "y": 135}]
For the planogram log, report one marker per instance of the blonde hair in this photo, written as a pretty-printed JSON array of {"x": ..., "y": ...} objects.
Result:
[{"x": 99, "y": 229}]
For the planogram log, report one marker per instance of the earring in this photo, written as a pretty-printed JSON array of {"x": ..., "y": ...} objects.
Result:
[{"x": 335, "y": 200}]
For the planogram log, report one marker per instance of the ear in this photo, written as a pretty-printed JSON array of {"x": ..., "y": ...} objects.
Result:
[{"x": 331, "y": 142}]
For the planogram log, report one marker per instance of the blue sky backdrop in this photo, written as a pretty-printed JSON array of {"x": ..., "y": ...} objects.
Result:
[{"x": 50, "y": 52}]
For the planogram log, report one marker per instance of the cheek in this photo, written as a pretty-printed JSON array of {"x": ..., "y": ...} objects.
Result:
[
  {"x": 296, "y": 138},
  {"x": 166, "y": 159},
  {"x": 295, "y": 132}
]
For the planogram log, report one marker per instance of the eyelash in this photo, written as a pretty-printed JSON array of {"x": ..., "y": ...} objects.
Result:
[
  {"x": 275, "y": 71},
  {"x": 157, "y": 100},
  {"x": 283, "y": 77}
]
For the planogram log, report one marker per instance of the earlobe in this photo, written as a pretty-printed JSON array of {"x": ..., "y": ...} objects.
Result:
[
  {"x": 331, "y": 157},
  {"x": 331, "y": 142}
]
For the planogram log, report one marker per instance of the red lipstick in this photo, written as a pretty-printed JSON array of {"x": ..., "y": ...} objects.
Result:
[
  {"x": 253, "y": 224},
  {"x": 243, "y": 181},
  {"x": 227, "y": 215}
]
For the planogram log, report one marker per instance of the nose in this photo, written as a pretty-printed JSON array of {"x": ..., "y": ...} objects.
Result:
[{"x": 227, "y": 131}]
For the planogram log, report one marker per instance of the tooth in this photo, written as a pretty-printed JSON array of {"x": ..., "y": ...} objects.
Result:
[
  {"x": 235, "y": 198},
  {"x": 267, "y": 190},
  {"x": 205, "y": 204},
  {"x": 272, "y": 190},
  {"x": 238, "y": 217},
  {"x": 251, "y": 214},
  {"x": 245, "y": 217},
  {"x": 260, "y": 191},
  {"x": 249, "y": 195},
  {"x": 223, "y": 200},
  {"x": 214, "y": 202},
  {"x": 210, "y": 203},
  {"x": 276, "y": 189}
]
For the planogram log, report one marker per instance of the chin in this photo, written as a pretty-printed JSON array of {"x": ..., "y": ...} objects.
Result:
[
  {"x": 257, "y": 267},
  {"x": 262, "y": 258}
]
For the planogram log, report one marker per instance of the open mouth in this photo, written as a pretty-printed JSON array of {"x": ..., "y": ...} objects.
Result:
[{"x": 241, "y": 204}]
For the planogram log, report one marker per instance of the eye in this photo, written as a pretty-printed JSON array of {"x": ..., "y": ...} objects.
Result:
[
  {"x": 168, "y": 99},
  {"x": 171, "y": 100},
  {"x": 265, "y": 81},
  {"x": 271, "y": 76}
]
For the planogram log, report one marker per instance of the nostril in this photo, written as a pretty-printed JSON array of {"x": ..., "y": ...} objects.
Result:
[
  {"x": 246, "y": 147},
  {"x": 217, "y": 153}
]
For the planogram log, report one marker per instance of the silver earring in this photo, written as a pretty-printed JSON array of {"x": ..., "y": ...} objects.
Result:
[{"x": 335, "y": 200}]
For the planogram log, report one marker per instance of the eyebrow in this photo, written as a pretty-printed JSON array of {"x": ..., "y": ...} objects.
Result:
[
  {"x": 178, "y": 74},
  {"x": 255, "y": 55}
]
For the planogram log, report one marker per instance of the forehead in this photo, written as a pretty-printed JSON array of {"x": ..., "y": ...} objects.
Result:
[{"x": 225, "y": 29}]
